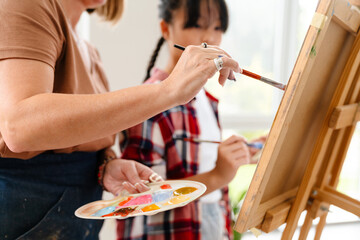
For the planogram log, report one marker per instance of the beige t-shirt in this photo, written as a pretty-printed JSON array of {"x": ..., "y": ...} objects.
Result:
[{"x": 39, "y": 30}]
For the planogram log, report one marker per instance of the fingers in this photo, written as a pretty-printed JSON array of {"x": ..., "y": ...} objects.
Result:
[
  {"x": 138, "y": 176},
  {"x": 154, "y": 177},
  {"x": 236, "y": 150},
  {"x": 211, "y": 52},
  {"x": 241, "y": 153},
  {"x": 230, "y": 64},
  {"x": 253, "y": 151},
  {"x": 148, "y": 173},
  {"x": 144, "y": 172},
  {"x": 134, "y": 173},
  {"x": 135, "y": 188},
  {"x": 224, "y": 75},
  {"x": 234, "y": 139},
  {"x": 227, "y": 73},
  {"x": 127, "y": 188}
]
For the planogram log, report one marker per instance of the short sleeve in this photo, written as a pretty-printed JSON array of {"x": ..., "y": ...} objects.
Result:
[{"x": 31, "y": 29}]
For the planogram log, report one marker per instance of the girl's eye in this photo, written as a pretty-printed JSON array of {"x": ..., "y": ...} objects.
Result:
[
  {"x": 197, "y": 25},
  {"x": 218, "y": 28}
]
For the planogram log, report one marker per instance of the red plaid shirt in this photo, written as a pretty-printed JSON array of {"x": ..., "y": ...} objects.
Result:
[{"x": 153, "y": 144}]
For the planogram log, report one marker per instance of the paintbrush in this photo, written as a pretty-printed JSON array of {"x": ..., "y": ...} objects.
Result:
[
  {"x": 251, "y": 74},
  {"x": 257, "y": 145}
]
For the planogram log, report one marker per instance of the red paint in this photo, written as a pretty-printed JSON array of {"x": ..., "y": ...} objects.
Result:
[
  {"x": 123, "y": 212},
  {"x": 165, "y": 186},
  {"x": 125, "y": 201}
]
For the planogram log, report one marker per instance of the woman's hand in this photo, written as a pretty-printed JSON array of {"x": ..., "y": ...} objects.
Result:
[
  {"x": 195, "y": 66},
  {"x": 127, "y": 175},
  {"x": 232, "y": 153}
]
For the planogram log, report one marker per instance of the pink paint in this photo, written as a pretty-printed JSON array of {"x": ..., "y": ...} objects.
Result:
[{"x": 144, "y": 199}]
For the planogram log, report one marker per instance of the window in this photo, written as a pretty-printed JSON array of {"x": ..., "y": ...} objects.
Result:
[{"x": 265, "y": 40}]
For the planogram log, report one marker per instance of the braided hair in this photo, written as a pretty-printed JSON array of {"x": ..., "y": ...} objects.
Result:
[
  {"x": 192, "y": 15},
  {"x": 153, "y": 57}
]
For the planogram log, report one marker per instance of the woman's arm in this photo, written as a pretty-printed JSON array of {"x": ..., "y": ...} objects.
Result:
[
  {"x": 36, "y": 119},
  {"x": 33, "y": 118}
]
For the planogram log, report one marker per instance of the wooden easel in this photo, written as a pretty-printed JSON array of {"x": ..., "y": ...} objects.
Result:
[
  {"x": 318, "y": 188},
  {"x": 301, "y": 161}
]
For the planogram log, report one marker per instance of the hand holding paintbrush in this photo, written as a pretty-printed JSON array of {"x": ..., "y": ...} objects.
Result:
[
  {"x": 257, "y": 145},
  {"x": 251, "y": 74},
  {"x": 255, "y": 148}
]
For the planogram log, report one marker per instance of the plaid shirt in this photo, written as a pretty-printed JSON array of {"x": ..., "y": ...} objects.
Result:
[{"x": 152, "y": 143}]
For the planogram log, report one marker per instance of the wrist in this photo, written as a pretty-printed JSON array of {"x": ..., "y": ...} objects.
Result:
[
  {"x": 102, "y": 169},
  {"x": 218, "y": 177},
  {"x": 170, "y": 93}
]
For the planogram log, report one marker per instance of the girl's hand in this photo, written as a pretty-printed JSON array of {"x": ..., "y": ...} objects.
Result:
[
  {"x": 253, "y": 151},
  {"x": 195, "y": 66},
  {"x": 127, "y": 175},
  {"x": 232, "y": 153}
]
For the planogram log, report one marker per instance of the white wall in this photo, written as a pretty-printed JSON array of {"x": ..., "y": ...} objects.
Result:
[{"x": 127, "y": 47}]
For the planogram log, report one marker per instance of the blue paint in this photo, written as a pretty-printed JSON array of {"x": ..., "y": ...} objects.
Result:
[
  {"x": 257, "y": 145},
  {"x": 162, "y": 196},
  {"x": 104, "y": 211}
]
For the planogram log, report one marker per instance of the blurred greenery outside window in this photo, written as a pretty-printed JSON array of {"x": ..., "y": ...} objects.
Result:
[{"x": 265, "y": 37}]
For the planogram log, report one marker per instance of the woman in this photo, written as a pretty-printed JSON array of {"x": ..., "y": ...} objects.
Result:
[
  {"x": 58, "y": 120},
  {"x": 160, "y": 142}
]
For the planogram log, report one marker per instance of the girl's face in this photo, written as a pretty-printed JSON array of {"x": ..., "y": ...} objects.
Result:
[{"x": 208, "y": 29}]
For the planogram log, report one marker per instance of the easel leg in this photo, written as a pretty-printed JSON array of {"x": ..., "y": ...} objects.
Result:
[
  {"x": 320, "y": 227},
  {"x": 306, "y": 226}
]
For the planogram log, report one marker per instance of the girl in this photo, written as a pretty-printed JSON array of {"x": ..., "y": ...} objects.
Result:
[{"x": 159, "y": 141}]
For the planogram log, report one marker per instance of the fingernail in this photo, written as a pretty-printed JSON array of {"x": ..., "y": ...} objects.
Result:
[
  {"x": 155, "y": 177},
  {"x": 152, "y": 177},
  {"x": 127, "y": 184},
  {"x": 144, "y": 186},
  {"x": 145, "y": 181}
]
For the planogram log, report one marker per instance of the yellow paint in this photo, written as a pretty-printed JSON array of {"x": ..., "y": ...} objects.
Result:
[
  {"x": 177, "y": 200},
  {"x": 151, "y": 207},
  {"x": 184, "y": 191}
]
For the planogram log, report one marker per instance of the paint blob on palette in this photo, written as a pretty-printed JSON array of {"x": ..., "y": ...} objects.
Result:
[{"x": 162, "y": 196}]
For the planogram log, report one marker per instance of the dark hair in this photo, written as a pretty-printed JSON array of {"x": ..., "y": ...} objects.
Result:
[{"x": 192, "y": 14}]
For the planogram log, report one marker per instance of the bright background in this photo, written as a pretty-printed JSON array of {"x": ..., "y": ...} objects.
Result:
[{"x": 265, "y": 37}]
